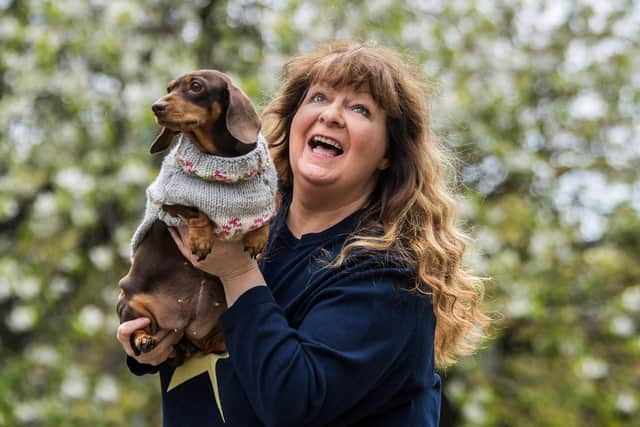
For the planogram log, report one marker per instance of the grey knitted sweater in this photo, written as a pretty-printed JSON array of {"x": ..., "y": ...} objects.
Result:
[{"x": 236, "y": 193}]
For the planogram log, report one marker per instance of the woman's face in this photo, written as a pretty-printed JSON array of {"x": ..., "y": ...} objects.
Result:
[{"x": 337, "y": 141}]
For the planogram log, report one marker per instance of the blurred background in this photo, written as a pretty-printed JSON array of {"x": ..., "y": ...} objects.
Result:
[{"x": 540, "y": 100}]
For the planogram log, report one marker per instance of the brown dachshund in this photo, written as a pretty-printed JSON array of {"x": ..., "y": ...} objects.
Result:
[{"x": 218, "y": 120}]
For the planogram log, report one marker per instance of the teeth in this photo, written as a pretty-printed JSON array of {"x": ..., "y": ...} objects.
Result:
[{"x": 327, "y": 141}]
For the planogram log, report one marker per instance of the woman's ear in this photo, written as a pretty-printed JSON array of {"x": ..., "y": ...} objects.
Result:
[{"x": 384, "y": 164}]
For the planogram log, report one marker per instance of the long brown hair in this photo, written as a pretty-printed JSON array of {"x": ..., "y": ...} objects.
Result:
[{"x": 412, "y": 210}]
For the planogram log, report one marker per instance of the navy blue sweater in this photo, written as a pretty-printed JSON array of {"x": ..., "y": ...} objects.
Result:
[{"x": 318, "y": 347}]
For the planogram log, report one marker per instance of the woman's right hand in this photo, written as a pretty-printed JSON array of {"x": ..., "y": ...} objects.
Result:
[{"x": 163, "y": 350}]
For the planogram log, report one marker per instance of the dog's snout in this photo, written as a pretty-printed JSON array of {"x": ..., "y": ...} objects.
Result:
[
  {"x": 159, "y": 107},
  {"x": 124, "y": 283},
  {"x": 121, "y": 307}
]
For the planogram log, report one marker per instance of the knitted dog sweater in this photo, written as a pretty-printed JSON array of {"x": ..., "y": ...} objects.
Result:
[{"x": 236, "y": 193}]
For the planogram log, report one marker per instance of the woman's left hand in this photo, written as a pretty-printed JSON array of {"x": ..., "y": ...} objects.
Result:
[{"x": 227, "y": 258}]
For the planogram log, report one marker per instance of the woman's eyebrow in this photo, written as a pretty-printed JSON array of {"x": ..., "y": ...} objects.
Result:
[{"x": 366, "y": 98}]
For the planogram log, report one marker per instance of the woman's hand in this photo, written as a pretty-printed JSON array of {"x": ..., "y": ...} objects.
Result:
[
  {"x": 228, "y": 260},
  {"x": 163, "y": 350}
]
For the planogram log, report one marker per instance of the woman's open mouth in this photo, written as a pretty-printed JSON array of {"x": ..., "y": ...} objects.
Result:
[{"x": 325, "y": 146}]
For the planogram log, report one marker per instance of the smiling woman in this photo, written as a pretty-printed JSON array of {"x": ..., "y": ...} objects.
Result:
[{"x": 412, "y": 208}]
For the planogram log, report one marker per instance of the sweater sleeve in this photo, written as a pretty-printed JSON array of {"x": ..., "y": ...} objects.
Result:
[{"x": 359, "y": 331}]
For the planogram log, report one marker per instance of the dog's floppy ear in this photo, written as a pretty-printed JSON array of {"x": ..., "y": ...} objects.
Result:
[
  {"x": 163, "y": 140},
  {"x": 242, "y": 120}
]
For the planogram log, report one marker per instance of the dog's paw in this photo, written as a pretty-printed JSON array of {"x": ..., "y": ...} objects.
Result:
[
  {"x": 254, "y": 250},
  {"x": 144, "y": 343},
  {"x": 200, "y": 248},
  {"x": 200, "y": 236},
  {"x": 255, "y": 241}
]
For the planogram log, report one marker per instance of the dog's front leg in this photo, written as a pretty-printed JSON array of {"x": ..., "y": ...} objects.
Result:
[
  {"x": 200, "y": 235},
  {"x": 200, "y": 228}
]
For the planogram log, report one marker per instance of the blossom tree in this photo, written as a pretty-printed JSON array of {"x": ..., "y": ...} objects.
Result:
[{"x": 539, "y": 99}]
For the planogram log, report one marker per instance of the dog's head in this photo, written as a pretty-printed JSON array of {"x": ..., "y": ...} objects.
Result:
[
  {"x": 217, "y": 116},
  {"x": 164, "y": 287}
]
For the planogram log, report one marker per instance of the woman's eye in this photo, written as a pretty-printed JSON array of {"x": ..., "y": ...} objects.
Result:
[
  {"x": 361, "y": 109},
  {"x": 318, "y": 97},
  {"x": 196, "y": 86}
]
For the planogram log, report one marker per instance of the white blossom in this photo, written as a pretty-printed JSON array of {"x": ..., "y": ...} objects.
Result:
[
  {"x": 45, "y": 205},
  {"x": 631, "y": 298},
  {"x": 59, "y": 286},
  {"x": 106, "y": 389},
  {"x": 520, "y": 304},
  {"x": 75, "y": 181},
  {"x": 134, "y": 172},
  {"x": 626, "y": 403},
  {"x": 91, "y": 319},
  {"x": 44, "y": 355},
  {"x": 474, "y": 411},
  {"x": 102, "y": 257},
  {"x": 593, "y": 368},
  {"x": 22, "y": 318},
  {"x": 29, "y": 412},
  {"x": 74, "y": 385},
  {"x": 27, "y": 288},
  {"x": 588, "y": 105},
  {"x": 191, "y": 31},
  {"x": 622, "y": 325}
]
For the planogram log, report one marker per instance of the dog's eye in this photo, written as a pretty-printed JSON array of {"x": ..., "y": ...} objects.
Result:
[{"x": 196, "y": 86}]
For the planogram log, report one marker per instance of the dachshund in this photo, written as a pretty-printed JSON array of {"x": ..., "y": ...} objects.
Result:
[{"x": 218, "y": 123}]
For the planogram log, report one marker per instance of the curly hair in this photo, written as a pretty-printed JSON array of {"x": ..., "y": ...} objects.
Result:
[{"x": 412, "y": 209}]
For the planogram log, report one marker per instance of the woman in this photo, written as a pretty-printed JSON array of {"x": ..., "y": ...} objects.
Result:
[{"x": 336, "y": 325}]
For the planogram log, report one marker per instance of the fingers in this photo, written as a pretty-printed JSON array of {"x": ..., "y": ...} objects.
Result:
[
  {"x": 124, "y": 331},
  {"x": 163, "y": 350},
  {"x": 165, "y": 338},
  {"x": 129, "y": 327}
]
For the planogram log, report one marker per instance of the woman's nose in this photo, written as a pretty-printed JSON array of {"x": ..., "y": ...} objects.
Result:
[{"x": 332, "y": 115}]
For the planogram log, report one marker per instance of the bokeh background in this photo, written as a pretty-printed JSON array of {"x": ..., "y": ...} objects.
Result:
[{"x": 540, "y": 99}]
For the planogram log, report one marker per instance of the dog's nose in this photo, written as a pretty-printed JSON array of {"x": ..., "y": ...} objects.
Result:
[{"x": 159, "y": 107}]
